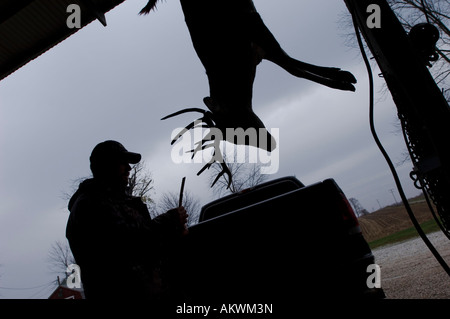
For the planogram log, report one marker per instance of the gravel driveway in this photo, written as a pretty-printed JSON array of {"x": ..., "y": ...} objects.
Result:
[{"x": 410, "y": 271}]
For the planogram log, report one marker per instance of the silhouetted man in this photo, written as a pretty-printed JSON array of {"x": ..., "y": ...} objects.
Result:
[{"x": 111, "y": 234}]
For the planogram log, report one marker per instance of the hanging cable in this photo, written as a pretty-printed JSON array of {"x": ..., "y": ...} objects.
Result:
[
  {"x": 425, "y": 11},
  {"x": 386, "y": 156}
]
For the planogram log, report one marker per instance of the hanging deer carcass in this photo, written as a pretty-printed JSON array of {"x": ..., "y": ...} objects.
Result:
[{"x": 231, "y": 39}]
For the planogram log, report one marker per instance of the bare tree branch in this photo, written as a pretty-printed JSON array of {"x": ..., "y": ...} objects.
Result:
[
  {"x": 60, "y": 257},
  {"x": 140, "y": 183},
  {"x": 244, "y": 175},
  {"x": 357, "y": 207},
  {"x": 190, "y": 203}
]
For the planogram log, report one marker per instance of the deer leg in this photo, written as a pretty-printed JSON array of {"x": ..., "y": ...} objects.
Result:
[
  {"x": 272, "y": 51},
  {"x": 331, "y": 77}
]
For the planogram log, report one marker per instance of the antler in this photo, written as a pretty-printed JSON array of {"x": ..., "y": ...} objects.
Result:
[
  {"x": 225, "y": 169},
  {"x": 207, "y": 122},
  {"x": 151, "y": 4},
  {"x": 207, "y": 119}
]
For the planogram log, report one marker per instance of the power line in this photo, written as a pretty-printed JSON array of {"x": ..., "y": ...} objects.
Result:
[
  {"x": 46, "y": 291},
  {"x": 29, "y": 288}
]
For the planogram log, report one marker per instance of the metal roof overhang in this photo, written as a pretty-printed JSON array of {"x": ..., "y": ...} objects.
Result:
[{"x": 28, "y": 28}]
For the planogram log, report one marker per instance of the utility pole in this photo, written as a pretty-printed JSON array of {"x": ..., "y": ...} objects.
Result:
[
  {"x": 422, "y": 108},
  {"x": 395, "y": 199},
  {"x": 379, "y": 203}
]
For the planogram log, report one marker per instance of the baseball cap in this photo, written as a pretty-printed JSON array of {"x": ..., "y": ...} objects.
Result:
[{"x": 109, "y": 150}]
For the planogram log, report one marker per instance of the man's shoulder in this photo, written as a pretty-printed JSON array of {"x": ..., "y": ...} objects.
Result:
[{"x": 88, "y": 201}]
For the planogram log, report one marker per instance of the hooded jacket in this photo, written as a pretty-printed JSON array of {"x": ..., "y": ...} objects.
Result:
[{"x": 115, "y": 241}]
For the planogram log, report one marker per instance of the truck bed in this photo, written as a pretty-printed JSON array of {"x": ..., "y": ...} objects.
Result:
[{"x": 274, "y": 240}]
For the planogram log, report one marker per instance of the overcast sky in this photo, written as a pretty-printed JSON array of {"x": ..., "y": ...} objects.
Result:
[{"x": 118, "y": 82}]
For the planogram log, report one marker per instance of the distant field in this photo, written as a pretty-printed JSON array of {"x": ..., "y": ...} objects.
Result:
[
  {"x": 428, "y": 227},
  {"x": 392, "y": 223}
]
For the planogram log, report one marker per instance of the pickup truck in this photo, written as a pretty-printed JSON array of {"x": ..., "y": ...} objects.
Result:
[{"x": 280, "y": 240}]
